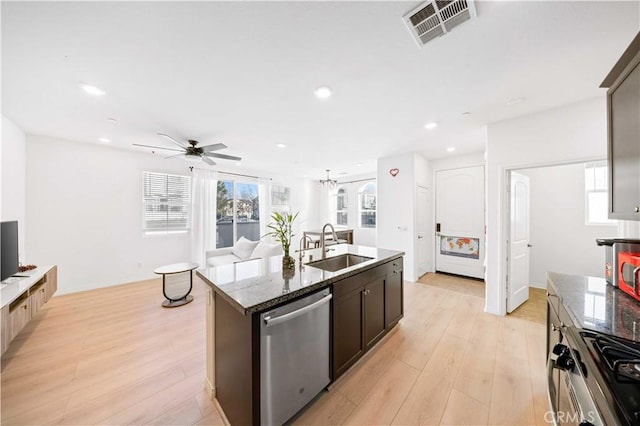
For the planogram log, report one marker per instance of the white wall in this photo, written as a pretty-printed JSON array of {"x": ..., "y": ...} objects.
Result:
[
  {"x": 560, "y": 239},
  {"x": 457, "y": 162},
  {"x": 12, "y": 181},
  {"x": 84, "y": 213},
  {"x": 397, "y": 205},
  {"x": 568, "y": 134}
]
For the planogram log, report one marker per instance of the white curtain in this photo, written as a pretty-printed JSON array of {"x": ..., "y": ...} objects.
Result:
[
  {"x": 203, "y": 214},
  {"x": 264, "y": 194}
]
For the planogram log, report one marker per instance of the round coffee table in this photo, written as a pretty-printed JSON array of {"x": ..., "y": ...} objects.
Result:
[{"x": 174, "y": 280}]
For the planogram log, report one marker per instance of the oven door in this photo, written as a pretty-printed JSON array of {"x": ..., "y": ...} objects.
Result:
[
  {"x": 570, "y": 400},
  {"x": 562, "y": 401}
]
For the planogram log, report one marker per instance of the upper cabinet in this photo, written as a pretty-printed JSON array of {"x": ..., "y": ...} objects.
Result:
[{"x": 623, "y": 129}]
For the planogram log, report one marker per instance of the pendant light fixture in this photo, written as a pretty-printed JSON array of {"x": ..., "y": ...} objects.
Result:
[{"x": 328, "y": 182}]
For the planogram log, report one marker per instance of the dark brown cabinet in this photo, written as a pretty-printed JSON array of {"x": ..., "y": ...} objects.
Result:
[
  {"x": 365, "y": 307},
  {"x": 623, "y": 129},
  {"x": 394, "y": 297},
  {"x": 348, "y": 318},
  {"x": 373, "y": 300}
]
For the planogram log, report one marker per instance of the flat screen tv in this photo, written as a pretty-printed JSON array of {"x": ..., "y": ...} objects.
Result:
[{"x": 8, "y": 249}]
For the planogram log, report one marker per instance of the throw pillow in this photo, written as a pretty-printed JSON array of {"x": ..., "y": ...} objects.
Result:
[
  {"x": 265, "y": 249},
  {"x": 243, "y": 248}
]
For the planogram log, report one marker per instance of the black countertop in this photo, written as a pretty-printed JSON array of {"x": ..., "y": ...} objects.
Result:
[
  {"x": 597, "y": 306},
  {"x": 258, "y": 284}
]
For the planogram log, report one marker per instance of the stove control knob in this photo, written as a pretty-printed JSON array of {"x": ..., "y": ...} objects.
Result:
[
  {"x": 565, "y": 362},
  {"x": 560, "y": 349}
]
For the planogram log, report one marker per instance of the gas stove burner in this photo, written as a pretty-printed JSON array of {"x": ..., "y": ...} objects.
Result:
[{"x": 623, "y": 358}]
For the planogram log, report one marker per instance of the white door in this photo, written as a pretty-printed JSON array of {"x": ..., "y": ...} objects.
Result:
[
  {"x": 460, "y": 246},
  {"x": 422, "y": 228},
  {"x": 518, "y": 278}
]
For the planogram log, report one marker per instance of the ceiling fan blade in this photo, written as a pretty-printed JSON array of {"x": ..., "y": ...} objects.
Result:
[
  {"x": 175, "y": 155},
  {"x": 208, "y": 160},
  {"x": 157, "y": 147},
  {"x": 223, "y": 156},
  {"x": 180, "y": 144},
  {"x": 213, "y": 147}
]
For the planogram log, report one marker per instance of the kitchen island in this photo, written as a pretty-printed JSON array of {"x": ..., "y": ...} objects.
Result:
[{"x": 366, "y": 302}]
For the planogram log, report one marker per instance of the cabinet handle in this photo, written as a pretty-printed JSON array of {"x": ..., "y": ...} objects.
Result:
[
  {"x": 24, "y": 306},
  {"x": 637, "y": 209},
  {"x": 42, "y": 290}
]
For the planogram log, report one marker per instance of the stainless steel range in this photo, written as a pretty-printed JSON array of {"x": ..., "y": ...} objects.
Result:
[{"x": 594, "y": 353}]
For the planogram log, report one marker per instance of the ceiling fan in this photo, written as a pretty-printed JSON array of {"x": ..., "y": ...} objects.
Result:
[{"x": 191, "y": 151}]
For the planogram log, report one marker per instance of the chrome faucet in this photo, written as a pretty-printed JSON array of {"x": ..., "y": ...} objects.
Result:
[
  {"x": 300, "y": 249},
  {"x": 322, "y": 239}
]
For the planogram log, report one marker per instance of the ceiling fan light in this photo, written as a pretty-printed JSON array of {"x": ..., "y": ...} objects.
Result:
[{"x": 192, "y": 158}]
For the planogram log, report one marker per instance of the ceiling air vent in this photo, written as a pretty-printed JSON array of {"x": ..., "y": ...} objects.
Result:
[{"x": 437, "y": 17}]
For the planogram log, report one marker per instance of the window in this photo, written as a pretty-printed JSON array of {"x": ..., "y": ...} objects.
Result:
[
  {"x": 341, "y": 207},
  {"x": 597, "y": 196},
  {"x": 166, "y": 200},
  {"x": 237, "y": 212},
  {"x": 280, "y": 199},
  {"x": 368, "y": 205}
]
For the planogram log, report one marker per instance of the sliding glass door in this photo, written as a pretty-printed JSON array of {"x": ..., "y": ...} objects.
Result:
[{"x": 238, "y": 212}]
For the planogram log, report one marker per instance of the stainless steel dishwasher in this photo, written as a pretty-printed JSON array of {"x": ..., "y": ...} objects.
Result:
[{"x": 294, "y": 356}]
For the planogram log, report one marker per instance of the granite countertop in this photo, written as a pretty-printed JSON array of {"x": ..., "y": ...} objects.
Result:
[
  {"x": 595, "y": 305},
  {"x": 255, "y": 285}
]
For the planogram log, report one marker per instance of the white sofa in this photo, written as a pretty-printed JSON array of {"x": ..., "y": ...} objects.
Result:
[{"x": 243, "y": 249}]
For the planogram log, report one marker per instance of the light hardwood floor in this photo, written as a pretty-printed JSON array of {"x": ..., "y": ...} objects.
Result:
[{"x": 114, "y": 356}]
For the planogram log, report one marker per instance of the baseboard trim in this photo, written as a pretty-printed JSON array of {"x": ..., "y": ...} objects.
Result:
[
  {"x": 211, "y": 390},
  {"x": 221, "y": 412}
]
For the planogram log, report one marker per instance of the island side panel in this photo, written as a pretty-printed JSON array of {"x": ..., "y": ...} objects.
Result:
[
  {"x": 234, "y": 363},
  {"x": 210, "y": 382}
]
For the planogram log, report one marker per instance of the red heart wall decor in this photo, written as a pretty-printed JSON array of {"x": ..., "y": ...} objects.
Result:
[{"x": 394, "y": 172}]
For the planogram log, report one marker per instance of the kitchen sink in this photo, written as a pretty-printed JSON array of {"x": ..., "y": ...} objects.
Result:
[{"x": 337, "y": 263}]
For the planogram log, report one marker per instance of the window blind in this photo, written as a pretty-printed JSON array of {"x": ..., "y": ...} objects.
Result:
[{"x": 166, "y": 200}]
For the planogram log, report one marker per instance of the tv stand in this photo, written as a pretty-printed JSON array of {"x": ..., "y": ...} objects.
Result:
[{"x": 21, "y": 300}]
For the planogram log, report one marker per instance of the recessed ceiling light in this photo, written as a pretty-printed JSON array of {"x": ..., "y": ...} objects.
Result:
[
  {"x": 515, "y": 101},
  {"x": 111, "y": 120},
  {"x": 104, "y": 140},
  {"x": 359, "y": 165},
  {"x": 322, "y": 92},
  {"x": 281, "y": 145},
  {"x": 466, "y": 113},
  {"x": 451, "y": 149},
  {"x": 239, "y": 163},
  {"x": 93, "y": 90},
  {"x": 431, "y": 125}
]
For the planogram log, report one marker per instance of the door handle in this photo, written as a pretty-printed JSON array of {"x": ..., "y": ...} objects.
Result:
[
  {"x": 277, "y": 320},
  {"x": 529, "y": 246},
  {"x": 420, "y": 237}
]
